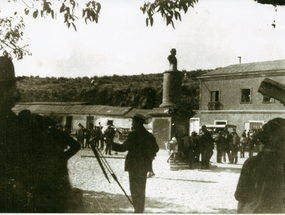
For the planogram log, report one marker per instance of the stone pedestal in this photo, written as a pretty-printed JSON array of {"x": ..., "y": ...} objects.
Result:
[
  {"x": 172, "y": 81},
  {"x": 166, "y": 124}
]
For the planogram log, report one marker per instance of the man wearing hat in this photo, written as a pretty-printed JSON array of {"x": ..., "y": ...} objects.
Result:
[
  {"x": 207, "y": 147},
  {"x": 109, "y": 135},
  {"x": 142, "y": 148},
  {"x": 33, "y": 159}
]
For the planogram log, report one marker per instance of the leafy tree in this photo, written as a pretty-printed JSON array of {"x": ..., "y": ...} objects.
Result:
[
  {"x": 11, "y": 33},
  {"x": 169, "y": 9}
]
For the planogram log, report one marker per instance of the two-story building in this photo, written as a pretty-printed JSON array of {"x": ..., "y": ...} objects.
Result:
[{"x": 229, "y": 95}]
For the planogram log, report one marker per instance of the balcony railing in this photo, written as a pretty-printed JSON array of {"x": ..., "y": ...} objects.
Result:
[{"x": 215, "y": 105}]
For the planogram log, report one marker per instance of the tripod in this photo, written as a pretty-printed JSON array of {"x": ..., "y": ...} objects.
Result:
[{"x": 105, "y": 165}]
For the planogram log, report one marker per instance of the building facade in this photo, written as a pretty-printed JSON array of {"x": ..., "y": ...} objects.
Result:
[
  {"x": 70, "y": 114},
  {"x": 230, "y": 95}
]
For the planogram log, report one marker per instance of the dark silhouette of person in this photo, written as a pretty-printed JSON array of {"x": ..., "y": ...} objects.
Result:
[
  {"x": 218, "y": 141},
  {"x": 260, "y": 188},
  {"x": 80, "y": 135},
  {"x": 109, "y": 134},
  {"x": 142, "y": 148},
  {"x": 207, "y": 143},
  {"x": 235, "y": 143},
  {"x": 225, "y": 141},
  {"x": 33, "y": 156},
  {"x": 243, "y": 145},
  {"x": 188, "y": 149}
]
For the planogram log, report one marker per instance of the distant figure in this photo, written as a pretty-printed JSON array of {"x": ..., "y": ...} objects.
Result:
[
  {"x": 87, "y": 135},
  {"x": 188, "y": 149},
  {"x": 243, "y": 143},
  {"x": 235, "y": 142},
  {"x": 218, "y": 141},
  {"x": 80, "y": 135},
  {"x": 173, "y": 148},
  {"x": 102, "y": 143},
  {"x": 95, "y": 136},
  {"x": 260, "y": 188},
  {"x": 109, "y": 134},
  {"x": 172, "y": 60},
  {"x": 252, "y": 141},
  {"x": 207, "y": 147},
  {"x": 226, "y": 140},
  {"x": 197, "y": 146}
]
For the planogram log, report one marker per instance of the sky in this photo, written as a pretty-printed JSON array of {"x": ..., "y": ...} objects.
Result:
[{"x": 211, "y": 35}]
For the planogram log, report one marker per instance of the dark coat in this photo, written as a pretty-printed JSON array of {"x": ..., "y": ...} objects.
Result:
[
  {"x": 34, "y": 157},
  {"x": 207, "y": 140},
  {"x": 260, "y": 187},
  {"x": 142, "y": 148}
]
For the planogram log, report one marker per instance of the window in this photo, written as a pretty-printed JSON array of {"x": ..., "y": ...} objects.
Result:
[
  {"x": 220, "y": 122},
  {"x": 245, "y": 96},
  {"x": 255, "y": 126},
  {"x": 215, "y": 96},
  {"x": 267, "y": 99}
]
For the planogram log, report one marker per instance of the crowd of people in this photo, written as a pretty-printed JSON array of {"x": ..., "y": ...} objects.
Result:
[
  {"x": 101, "y": 137},
  {"x": 198, "y": 148}
]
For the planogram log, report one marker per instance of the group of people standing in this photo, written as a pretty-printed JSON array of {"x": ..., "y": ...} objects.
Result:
[
  {"x": 249, "y": 141},
  {"x": 101, "y": 137},
  {"x": 195, "y": 146},
  {"x": 199, "y": 147},
  {"x": 227, "y": 145}
]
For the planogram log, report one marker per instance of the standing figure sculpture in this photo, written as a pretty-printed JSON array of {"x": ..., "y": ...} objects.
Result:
[{"x": 172, "y": 60}]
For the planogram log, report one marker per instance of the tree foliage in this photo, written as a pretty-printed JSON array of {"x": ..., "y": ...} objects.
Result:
[
  {"x": 90, "y": 11},
  {"x": 139, "y": 91},
  {"x": 12, "y": 27},
  {"x": 11, "y": 34},
  {"x": 169, "y": 10}
]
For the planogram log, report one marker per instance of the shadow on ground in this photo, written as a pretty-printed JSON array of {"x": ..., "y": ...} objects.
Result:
[
  {"x": 102, "y": 202},
  {"x": 213, "y": 167}
]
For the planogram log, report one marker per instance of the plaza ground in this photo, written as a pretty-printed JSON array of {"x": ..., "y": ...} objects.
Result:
[{"x": 169, "y": 191}]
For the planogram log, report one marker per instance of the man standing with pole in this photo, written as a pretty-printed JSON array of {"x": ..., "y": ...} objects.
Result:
[{"x": 142, "y": 148}]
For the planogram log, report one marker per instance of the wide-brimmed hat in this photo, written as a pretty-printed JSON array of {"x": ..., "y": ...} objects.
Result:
[
  {"x": 7, "y": 72},
  {"x": 139, "y": 118}
]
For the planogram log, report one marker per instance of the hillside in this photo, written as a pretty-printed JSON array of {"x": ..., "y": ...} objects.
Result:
[{"x": 139, "y": 91}]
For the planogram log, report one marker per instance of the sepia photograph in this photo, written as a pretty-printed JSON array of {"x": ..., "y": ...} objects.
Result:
[{"x": 142, "y": 106}]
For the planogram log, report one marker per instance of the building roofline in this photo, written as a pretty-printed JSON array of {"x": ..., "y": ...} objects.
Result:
[{"x": 267, "y": 73}]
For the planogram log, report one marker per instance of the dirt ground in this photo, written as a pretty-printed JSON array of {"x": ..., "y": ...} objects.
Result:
[{"x": 169, "y": 191}]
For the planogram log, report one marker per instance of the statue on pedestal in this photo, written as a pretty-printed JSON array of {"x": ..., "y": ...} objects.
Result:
[{"x": 172, "y": 60}]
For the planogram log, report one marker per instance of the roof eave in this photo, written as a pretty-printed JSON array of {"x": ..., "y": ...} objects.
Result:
[{"x": 244, "y": 74}]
